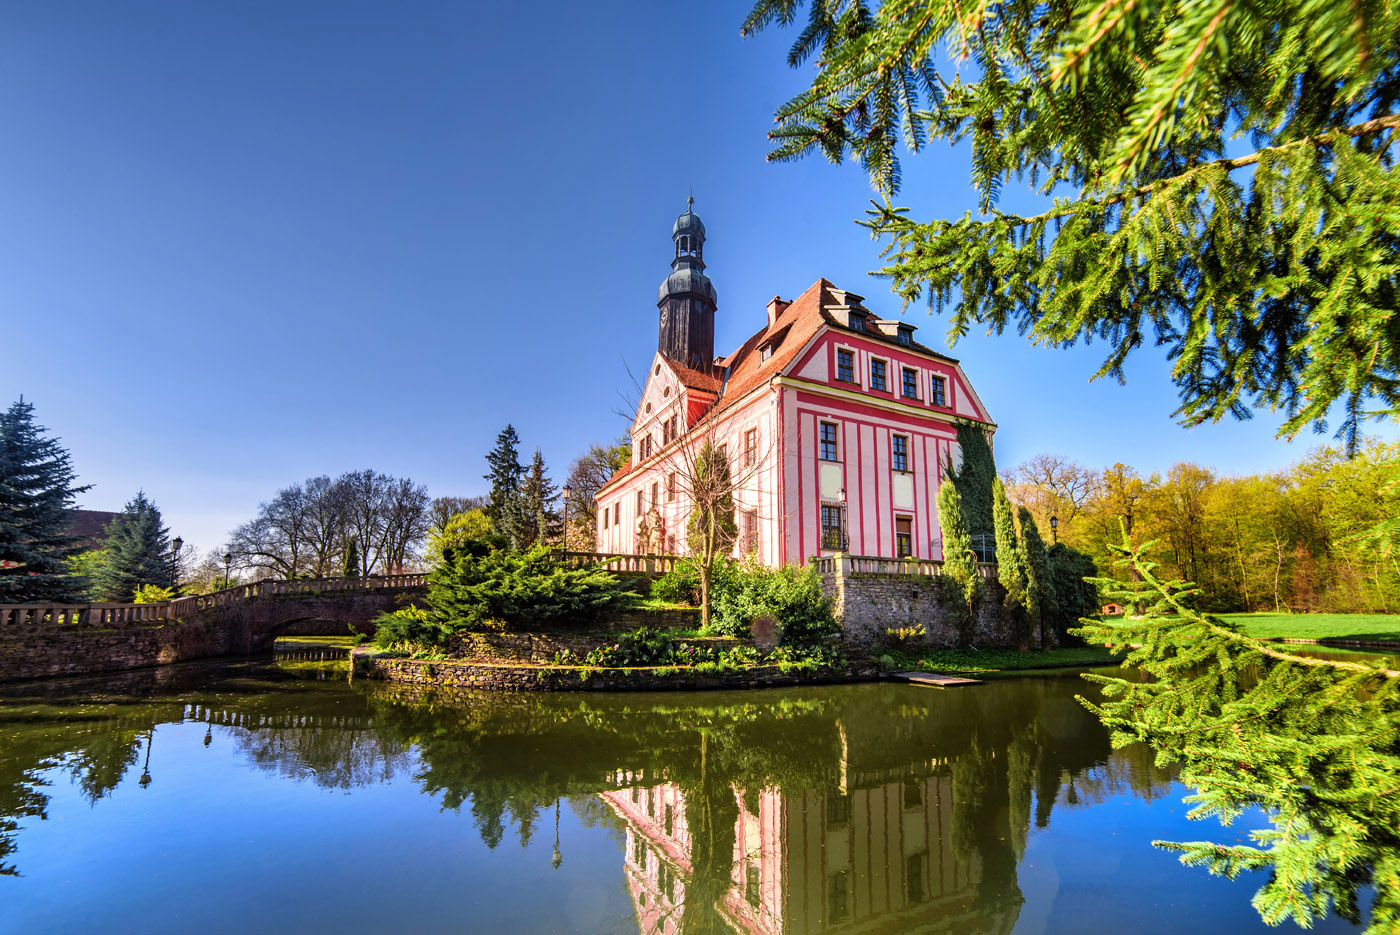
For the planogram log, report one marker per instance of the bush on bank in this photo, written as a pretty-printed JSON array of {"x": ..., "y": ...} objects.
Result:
[
  {"x": 790, "y": 595},
  {"x": 653, "y": 648},
  {"x": 481, "y": 587}
]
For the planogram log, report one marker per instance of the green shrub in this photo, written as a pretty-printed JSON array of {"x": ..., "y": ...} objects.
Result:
[
  {"x": 644, "y": 646},
  {"x": 810, "y": 658},
  {"x": 1075, "y": 597},
  {"x": 792, "y": 596},
  {"x": 680, "y": 585},
  {"x": 409, "y": 630},
  {"x": 510, "y": 590},
  {"x": 740, "y": 657}
]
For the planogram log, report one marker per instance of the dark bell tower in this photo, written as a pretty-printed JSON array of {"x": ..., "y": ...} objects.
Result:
[{"x": 687, "y": 298}]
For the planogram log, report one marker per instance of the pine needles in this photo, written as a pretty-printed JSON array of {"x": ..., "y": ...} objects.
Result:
[
  {"x": 1269, "y": 277},
  {"x": 1313, "y": 743}
]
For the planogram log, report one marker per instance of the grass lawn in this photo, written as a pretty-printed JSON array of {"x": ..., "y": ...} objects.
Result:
[
  {"x": 651, "y": 603},
  {"x": 1320, "y": 626},
  {"x": 991, "y": 661},
  {"x": 288, "y": 642}
]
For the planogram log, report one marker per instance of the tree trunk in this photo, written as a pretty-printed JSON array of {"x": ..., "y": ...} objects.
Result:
[{"x": 704, "y": 592}]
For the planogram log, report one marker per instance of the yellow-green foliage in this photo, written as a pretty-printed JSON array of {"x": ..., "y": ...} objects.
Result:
[
  {"x": 1294, "y": 539},
  {"x": 899, "y": 636},
  {"x": 461, "y": 528},
  {"x": 153, "y": 594}
]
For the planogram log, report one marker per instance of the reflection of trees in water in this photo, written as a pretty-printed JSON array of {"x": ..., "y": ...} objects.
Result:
[
  {"x": 95, "y": 729},
  {"x": 986, "y": 763},
  {"x": 331, "y": 755},
  {"x": 99, "y": 766},
  {"x": 689, "y": 782}
]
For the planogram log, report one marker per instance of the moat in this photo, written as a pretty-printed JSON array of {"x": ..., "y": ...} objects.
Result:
[{"x": 275, "y": 795}]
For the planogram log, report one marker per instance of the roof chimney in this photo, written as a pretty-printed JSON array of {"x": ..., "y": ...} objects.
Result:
[{"x": 776, "y": 306}]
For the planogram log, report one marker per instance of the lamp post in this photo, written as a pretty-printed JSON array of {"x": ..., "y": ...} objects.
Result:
[
  {"x": 558, "y": 858},
  {"x": 145, "y": 779},
  {"x": 228, "y": 562},
  {"x": 567, "y": 492},
  {"x": 175, "y": 564},
  {"x": 1054, "y": 530}
]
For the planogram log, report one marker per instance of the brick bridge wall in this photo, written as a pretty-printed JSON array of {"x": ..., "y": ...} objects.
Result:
[
  {"x": 264, "y": 619},
  {"x": 231, "y": 629}
]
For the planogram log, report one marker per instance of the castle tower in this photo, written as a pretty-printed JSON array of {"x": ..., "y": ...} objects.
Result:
[{"x": 687, "y": 297}]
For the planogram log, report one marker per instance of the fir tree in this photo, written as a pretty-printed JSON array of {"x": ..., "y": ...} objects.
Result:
[
  {"x": 36, "y": 493},
  {"x": 505, "y": 474},
  {"x": 138, "y": 552},
  {"x": 1309, "y": 743},
  {"x": 1267, "y": 276},
  {"x": 974, "y": 478},
  {"x": 959, "y": 561},
  {"x": 350, "y": 565},
  {"x": 1040, "y": 583},
  {"x": 538, "y": 494},
  {"x": 1011, "y": 564}
]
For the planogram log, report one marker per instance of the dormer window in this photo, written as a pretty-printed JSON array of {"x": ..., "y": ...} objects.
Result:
[
  {"x": 765, "y": 352},
  {"x": 858, "y": 323},
  {"x": 904, "y": 337}
]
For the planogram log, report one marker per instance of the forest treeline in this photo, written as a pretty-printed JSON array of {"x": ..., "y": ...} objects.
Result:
[{"x": 1284, "y": 541}]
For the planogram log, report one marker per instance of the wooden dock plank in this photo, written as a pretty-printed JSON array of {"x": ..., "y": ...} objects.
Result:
[{"x": 935, "y": 679}]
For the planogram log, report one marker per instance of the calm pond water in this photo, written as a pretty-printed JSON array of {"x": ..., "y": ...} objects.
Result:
[{"x": 277, "y": 797}]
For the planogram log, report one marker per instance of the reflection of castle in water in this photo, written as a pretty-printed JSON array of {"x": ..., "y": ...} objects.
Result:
[{"x": 877, "y": 858}]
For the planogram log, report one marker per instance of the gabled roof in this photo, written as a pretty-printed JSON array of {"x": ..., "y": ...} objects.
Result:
[
  {"x": 695, "y": 379},
  {"x": 789, "y": 333}
]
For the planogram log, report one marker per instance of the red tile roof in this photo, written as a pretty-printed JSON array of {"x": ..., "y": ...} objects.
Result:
[
  {"x": 789, "y": 333},
  {"x": 695, "y": 379}
]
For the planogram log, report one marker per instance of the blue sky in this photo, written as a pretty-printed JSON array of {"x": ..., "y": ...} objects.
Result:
[{"x": 242, "y": 243}]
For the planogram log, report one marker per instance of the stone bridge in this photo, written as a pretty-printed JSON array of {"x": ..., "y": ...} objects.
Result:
[{"x": 42, "y": 639}]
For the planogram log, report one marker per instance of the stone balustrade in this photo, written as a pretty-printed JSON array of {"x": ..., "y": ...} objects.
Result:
[
  {"x": 617, "y": 561},
  {"x": 848, "y": 565},
  {"x": 117, "y": 615}
]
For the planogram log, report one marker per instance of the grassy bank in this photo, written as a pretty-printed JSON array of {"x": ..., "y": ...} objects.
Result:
[
  {"x": 297, "y": 642},
  {"x": 975, "y": 662},
  {"x": 1320, "y": 626}
]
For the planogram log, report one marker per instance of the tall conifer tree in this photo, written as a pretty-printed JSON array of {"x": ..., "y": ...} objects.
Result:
[
  {"x": 138, "y": 552},
  {"x": 959, "y": 561},
  {"x": 1042, "y": 603},
  {"x": 504, "y": 473},
  {"x": 350, "y": 564},
  {"x": 1011, "y": 563},
  {"x": 36, "y": 493},
  {"x": 539, "y": 494}
]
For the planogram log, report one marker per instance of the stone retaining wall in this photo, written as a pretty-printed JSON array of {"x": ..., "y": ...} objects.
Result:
[
  {"x": 519, "y": 678},
  {"x": 868, "y": 604},
  {"x": 542, "y": 648},
  {"x": 41, "y": 652}
]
